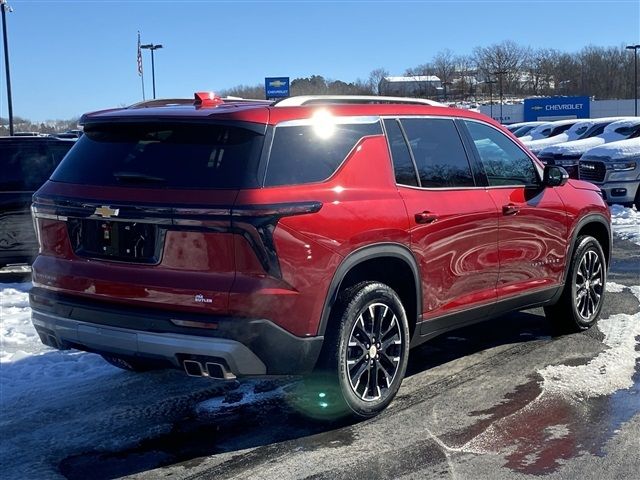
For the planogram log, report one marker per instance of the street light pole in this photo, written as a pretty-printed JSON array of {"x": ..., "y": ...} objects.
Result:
[
  {"x": 635, "y": 82},
  {"x": 4, "y": 7},
  {"x": 152, "y": 47},
  {"x": 490, "y": 83},
  {"x": 500, "y": 73},
  {"x": 444, "y": 84}
]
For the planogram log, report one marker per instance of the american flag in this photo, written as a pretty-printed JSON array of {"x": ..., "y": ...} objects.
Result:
[{"x": 139, "y": 57}]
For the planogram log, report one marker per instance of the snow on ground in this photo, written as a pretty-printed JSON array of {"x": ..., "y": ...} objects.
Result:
[
  {"x": 626, "y": 223},
  {"x": 611, "y": 370},
  {"x": 57, "y": 403},
  {"x": 53, "y": 403}
]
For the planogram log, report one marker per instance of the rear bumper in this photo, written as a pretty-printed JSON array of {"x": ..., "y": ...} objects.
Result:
[{"x": 243, "y": 346}]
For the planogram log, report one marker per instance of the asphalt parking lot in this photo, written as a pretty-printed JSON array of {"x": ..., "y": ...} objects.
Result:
[{"x": 503, "y": 399}]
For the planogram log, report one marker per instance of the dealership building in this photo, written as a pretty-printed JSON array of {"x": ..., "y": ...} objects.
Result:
[
  {"x": 417, "y": 85},
  {"x": 558, "y": 108}
]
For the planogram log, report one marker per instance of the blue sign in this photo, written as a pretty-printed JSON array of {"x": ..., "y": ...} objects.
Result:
[
  {"x": 276, "y": 87},
  {"x": 547, "y": 108}
]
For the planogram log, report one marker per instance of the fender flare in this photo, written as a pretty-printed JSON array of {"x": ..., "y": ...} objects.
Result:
[
  {"x": 378, "y": 250},
  {"x": 590, "y": 218}
]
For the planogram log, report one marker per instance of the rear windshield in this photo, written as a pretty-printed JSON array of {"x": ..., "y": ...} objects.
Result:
[
  {"x": 164, "y": 156},
  {"x": 26, "y": 165}
]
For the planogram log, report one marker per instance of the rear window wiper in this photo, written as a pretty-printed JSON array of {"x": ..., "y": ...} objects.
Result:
[{"x": 135, "y": 177}]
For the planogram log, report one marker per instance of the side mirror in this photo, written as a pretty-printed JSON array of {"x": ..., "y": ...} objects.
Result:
[{"x": 554, "y": 176}]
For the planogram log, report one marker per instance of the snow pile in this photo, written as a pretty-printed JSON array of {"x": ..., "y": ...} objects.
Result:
[
  {"x": 21, "y": 348},
  {"x": 626, "y": 223},
  {"x": 58, "y": 403},
  {"x": 611, "y": 370},
  {"x": 18, "y": 339},
  {"x": 620, "y": 150}
]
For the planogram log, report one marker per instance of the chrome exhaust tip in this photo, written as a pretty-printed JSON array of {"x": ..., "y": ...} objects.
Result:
[
  {"x": 193, "y": 368},
  {"x": 217, "y": 370}
]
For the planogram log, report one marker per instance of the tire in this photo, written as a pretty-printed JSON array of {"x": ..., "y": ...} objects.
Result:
[
  {"x": 130, "y": 364},
  {"x": 366, "y": 349},
  {"x": 637, "y": 199},
  {"x": 584, "y": 290}
]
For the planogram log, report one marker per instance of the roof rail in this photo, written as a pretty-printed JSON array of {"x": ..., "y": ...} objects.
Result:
[
  {"x": 358, "y": 99},
  {"x": 162, "y": 102},
  {"x": 230, "y": 99}
]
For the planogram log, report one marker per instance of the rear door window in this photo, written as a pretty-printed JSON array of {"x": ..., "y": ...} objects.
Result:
[
  {"x": 438, "y": 152},
  {"x": 309, "y": 151},
  {"x": 164, "y": 156}
]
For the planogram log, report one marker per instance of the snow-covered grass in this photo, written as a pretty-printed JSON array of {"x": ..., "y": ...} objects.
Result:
[{"x": 626, "y": 223}]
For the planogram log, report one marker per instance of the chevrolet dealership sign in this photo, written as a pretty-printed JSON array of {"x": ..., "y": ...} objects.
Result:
[
  {"x": 548, "y": 108},
  {"x": 276, "y": 87}
]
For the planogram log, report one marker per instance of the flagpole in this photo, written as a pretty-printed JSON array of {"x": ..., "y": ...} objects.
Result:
[{"x": 140, "y": 69}]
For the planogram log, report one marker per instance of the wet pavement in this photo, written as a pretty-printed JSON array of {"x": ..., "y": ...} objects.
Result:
[{"x": 502, "y": 399}]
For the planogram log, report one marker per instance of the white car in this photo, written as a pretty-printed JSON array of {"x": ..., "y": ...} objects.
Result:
[
  {"x": 548, "y": 129},
  {"x": 523, "y": 128},
  {"x": 567, "y": 154},
  {"x": 615, "y": 168},
  {"x": 582, "y": 129}
]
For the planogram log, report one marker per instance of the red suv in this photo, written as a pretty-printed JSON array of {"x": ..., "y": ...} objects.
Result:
[{"x": 316, "y": 234}]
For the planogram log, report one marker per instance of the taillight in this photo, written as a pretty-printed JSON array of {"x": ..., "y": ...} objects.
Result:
[{"x": 276, "y": 210}]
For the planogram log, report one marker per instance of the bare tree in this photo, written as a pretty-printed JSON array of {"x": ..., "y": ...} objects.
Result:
[
  {"x": 444, "y": 65},
  {"x": 245, "y": 91},
  {"x": 508, "y": 57},
  {"x": 467, "y": 75},
  {"x": 375, "y": 77}
]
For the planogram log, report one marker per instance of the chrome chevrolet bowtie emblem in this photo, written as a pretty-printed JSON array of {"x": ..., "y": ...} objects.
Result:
[{"x": 107, "y": 212}]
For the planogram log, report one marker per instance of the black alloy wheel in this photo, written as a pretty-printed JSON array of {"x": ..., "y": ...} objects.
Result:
[
  {"x": 581, "y": 301},
  {"x": 366, "y": 349}
]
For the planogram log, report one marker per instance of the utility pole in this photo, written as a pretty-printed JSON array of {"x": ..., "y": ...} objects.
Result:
[
  {"x": 490, "y": 83},
  {"x": 4, "y": 7},
  {"x": 500, "y": 73},
  {"x": 635, "y": 82}
]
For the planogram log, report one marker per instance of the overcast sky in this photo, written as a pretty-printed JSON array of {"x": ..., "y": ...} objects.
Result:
[{"x": 72, "y": 56}]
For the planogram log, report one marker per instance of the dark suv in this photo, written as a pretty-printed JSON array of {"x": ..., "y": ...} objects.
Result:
[
  {"x": 314, "y": 235},
  {"x": 25, "y": 164}
]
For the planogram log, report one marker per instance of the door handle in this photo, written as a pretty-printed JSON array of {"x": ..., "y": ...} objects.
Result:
[
  {"x": 510, "y": 209},
  {"x": 425, "y": 217}
]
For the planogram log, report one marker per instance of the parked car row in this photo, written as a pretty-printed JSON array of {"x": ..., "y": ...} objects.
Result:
[{"x": 604, "y": 151}]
